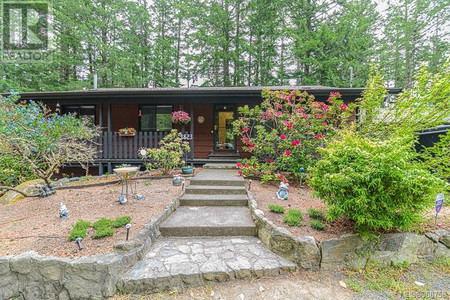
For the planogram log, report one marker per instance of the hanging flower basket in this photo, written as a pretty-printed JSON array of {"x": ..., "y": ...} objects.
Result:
[
  {"x": 180, "y": 117},
  {"x": 127, "y": 131}
]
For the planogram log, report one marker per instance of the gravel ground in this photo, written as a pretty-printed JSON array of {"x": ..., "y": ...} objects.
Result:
[
  {"x": 34, "y": 224},
  {"x": 317, "y": 285}
]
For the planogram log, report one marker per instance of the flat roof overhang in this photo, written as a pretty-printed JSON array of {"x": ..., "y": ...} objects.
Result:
[{"x": 244, "y": 95}]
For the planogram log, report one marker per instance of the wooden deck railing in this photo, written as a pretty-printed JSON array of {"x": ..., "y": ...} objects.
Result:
[{"x": 113, "y": 146}]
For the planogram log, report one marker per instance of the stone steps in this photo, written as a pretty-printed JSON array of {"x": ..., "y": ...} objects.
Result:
[
  {"x": 220, "y": 166},
  {"x": 216, "y": 190},
  {"x": 214, "y": 177},
  {"x": 209, "y": 221},
  {"x": 177, "y": 263},
  {"x": 216, "y": 182},
  {"x": 213, "y": 200}
]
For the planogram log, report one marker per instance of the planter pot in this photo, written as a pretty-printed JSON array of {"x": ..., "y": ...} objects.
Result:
[
  {"x": 127, "y": 134},
  {"x": 187, "y": 169}
]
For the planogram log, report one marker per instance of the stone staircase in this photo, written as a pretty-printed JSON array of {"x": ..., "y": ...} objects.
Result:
[{"x": 211, "y": 237}]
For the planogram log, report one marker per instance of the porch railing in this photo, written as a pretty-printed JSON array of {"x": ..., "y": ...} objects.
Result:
[{"x": 113, "y": 146}]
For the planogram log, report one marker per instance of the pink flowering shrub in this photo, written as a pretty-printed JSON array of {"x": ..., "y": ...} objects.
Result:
[
  {"x": 285, "y": 131},
  {"x": 180, "y": 117}
]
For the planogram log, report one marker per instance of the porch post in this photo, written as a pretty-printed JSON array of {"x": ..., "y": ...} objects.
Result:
[
  {"x": 191, "y": 105},
  {"x": 109, "y": 149},
  {"x": 100, "y": 125}
]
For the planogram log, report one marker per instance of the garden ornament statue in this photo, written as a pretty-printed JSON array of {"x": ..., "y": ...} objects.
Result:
[
  {"x": 177, "y": 180},
  {"x": 63, "y": 211},
  {"x": 283, "y": 192},
  {"x": 122, "y": 199},
  {"x": 140, "y": 197}
]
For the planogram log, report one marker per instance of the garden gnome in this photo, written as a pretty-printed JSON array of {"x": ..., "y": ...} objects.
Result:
[
  {"x": 122, "y": 199},
  {"x": 282, "y": 193},
  {"x": 63, "y": 212},
  {"x": 177, "y": 180}
]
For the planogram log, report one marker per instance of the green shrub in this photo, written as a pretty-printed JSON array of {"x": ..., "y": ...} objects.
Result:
[
  {"x": 377, "y": 184},
  {"x": 294, "y": 217},
  {"x": 13, "y": 169},
  {"x": 437, "y": 158},
  {"x": 276, "y": 209},
  {"x": 295, "y": 212},
  {"x": 316, "y": 224},
  {"x": 103, "y": 222},
  {"x": 121, "y": 221},
  {"x": 102, "y": 232},
  {"x": 169, "y": 154},
  {"x": 79, "y": 230},
  {"x": 315, "y": 214}
]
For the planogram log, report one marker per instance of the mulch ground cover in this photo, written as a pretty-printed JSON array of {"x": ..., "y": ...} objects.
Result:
[{"x": 34, "y": 224}]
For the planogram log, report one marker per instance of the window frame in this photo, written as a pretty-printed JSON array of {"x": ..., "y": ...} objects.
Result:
[
  {"x": 141, "y": 106},
  {"x": 78, "y": 106}
]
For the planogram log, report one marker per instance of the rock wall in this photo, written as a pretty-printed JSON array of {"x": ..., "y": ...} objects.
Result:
[
  {"x": 349, "y": 251},
  {"x": 32, "y": 276}
]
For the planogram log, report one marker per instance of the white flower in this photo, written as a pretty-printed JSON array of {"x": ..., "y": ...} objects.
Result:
[{"x": 143, "y": 152}]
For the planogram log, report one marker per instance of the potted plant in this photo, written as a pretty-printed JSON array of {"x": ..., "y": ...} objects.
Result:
[
  {"x": 127, "y": 131},
  {"x": 180, "y": 117},
  {"x": 187, "y": 169}
]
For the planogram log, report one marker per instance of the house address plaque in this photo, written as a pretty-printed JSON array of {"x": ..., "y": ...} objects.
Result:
[{"x": 186, "y": 136}]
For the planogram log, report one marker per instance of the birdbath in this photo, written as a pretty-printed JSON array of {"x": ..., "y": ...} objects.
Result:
[{"x": 126, "y": 174}]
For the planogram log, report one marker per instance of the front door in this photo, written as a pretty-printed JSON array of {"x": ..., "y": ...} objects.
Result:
[{"x": 224, "y": 139}]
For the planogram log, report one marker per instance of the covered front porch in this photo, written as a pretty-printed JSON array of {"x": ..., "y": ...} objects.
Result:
[{"x": 148, "y": 111}]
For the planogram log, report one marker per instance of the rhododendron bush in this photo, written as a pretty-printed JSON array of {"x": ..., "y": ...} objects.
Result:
[{"x": 284, "y": 132}]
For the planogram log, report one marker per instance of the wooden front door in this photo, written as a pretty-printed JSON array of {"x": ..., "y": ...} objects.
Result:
[{"x": 224, "y": 140}]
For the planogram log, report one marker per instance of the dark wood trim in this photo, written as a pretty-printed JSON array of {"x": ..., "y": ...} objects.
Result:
[{"x": 191, "y": 106}]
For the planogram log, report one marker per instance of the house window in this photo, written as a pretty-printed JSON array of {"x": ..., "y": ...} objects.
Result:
[
  {"x": 156, "y": 118},
  {"x": 83, "y": 111}
]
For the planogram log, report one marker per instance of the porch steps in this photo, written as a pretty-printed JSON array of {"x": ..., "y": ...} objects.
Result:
[
  {"x": 231, "y": 157},
  {"x": 209, "y": 221},
  {"x": 221, "y": 166},
  {"x": 210, "y": 177},
  {"x": 216, "y": 190},
  {"x": 213, "y": 200}
]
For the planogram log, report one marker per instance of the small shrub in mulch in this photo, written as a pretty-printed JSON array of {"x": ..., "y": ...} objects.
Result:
[
  {"x": 317, "y": 224},
  {"x": 103, "y": 227},
  {"x": 294, "y": 217},
  {"x": 102, "y": 232},
  {"x": 79, "y": 230},
  {"x": 315, "y": 214},
  {"x": 276, "y": 208},
  {"x": 121, "y": 221}
]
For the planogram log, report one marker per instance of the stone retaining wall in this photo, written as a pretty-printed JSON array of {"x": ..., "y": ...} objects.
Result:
[
  {"x": 32, "y": 276},
  {"x": 349, "y": 251}
]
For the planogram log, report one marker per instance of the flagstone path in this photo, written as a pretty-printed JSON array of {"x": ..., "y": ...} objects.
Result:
[{"x": 211, "y": 237}]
